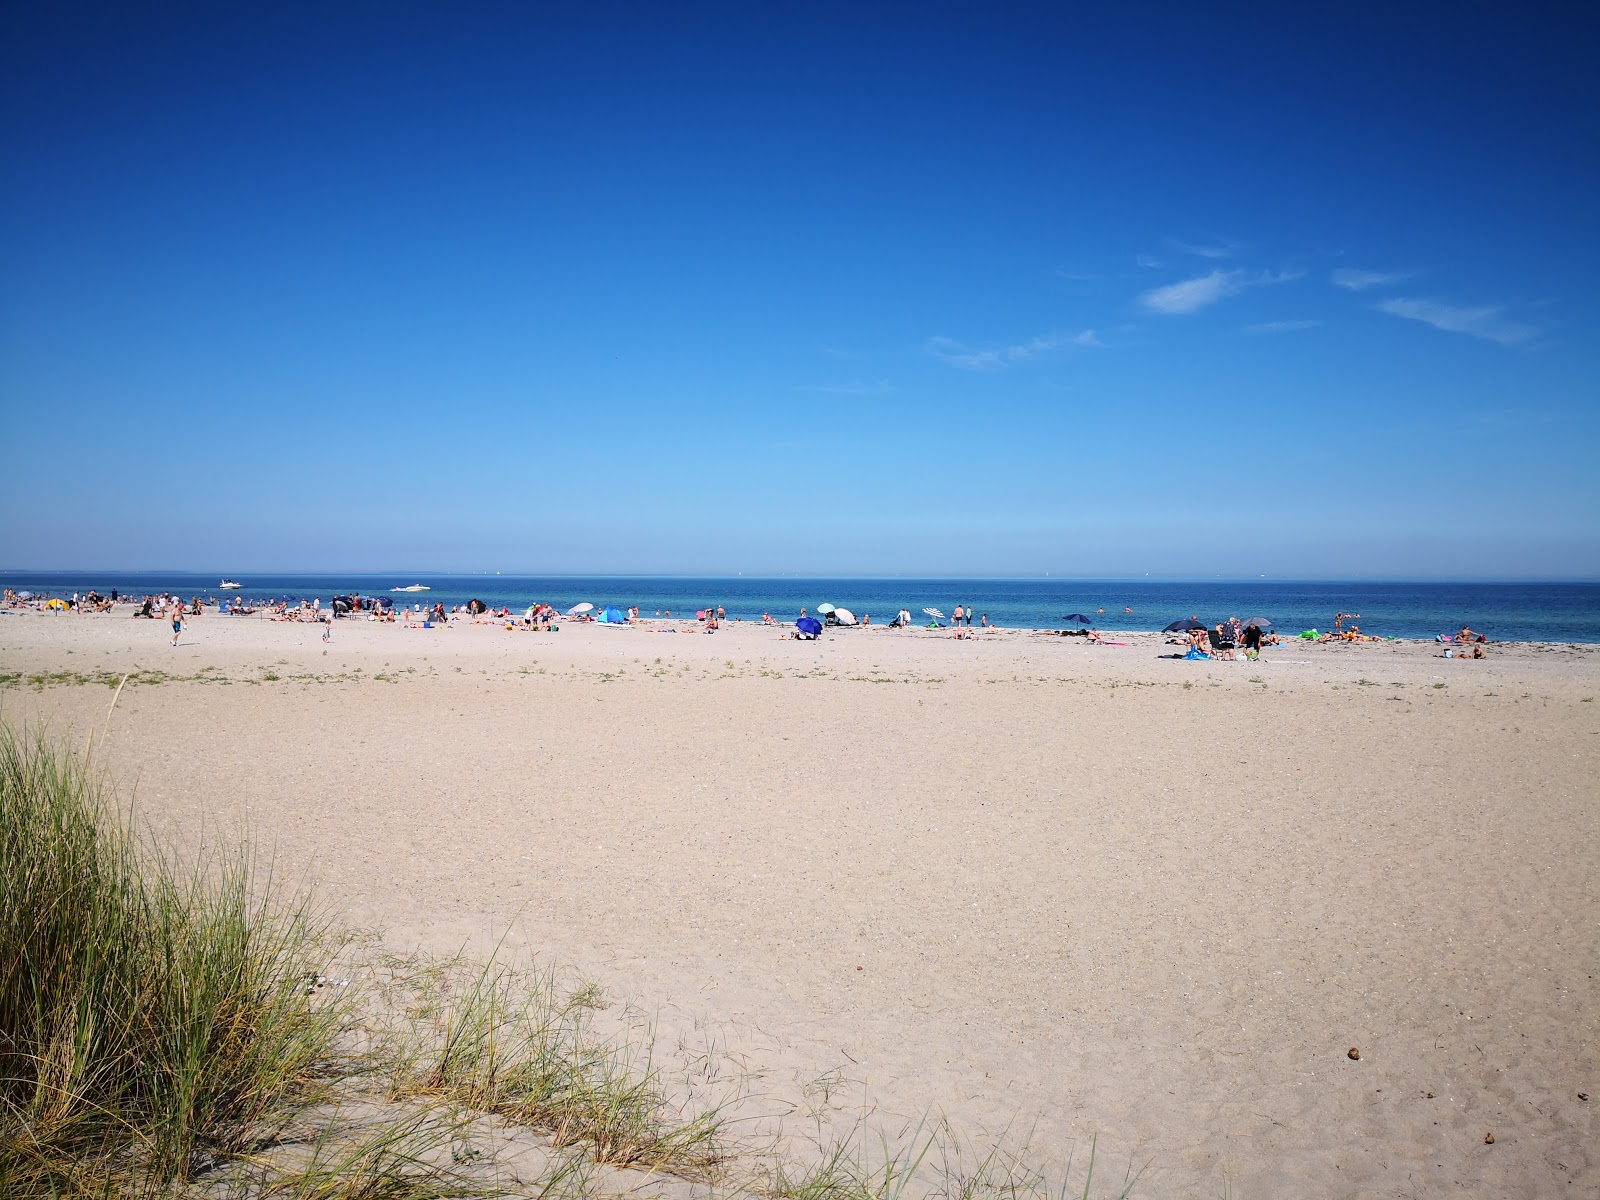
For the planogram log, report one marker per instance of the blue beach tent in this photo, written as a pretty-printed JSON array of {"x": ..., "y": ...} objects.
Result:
[{"x": 611, "y": 615}]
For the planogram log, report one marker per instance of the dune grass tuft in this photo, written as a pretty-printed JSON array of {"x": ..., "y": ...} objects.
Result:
[
  {"x": 517, "y": 1045},
  {"x": 153, "y": 1017}
]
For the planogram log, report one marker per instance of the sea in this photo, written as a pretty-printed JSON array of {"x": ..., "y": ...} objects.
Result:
[{"x": 1541, "y": 612}]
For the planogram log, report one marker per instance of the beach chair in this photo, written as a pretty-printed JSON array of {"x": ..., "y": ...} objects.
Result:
[{"x": 1220, "y": 647}]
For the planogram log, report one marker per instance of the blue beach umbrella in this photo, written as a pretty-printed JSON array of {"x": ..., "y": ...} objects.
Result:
[
  {"x": 1079, "y": 618},
  {"x": 809, "y": 625}
]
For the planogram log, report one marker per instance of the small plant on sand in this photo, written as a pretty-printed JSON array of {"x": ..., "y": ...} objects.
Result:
[{"x": 514, "y": 1044}]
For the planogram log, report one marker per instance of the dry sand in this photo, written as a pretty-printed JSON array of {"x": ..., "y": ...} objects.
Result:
[{"x": 1031, "y": 885}]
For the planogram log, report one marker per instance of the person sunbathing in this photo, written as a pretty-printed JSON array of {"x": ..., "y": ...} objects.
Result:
[{"x": 1094, "y": 636}]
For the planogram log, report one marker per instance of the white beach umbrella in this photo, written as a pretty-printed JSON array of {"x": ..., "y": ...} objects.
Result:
[
  {"x": 934, "y": 612},
  {"x": 825, "y": 608},
  {"x": 844, "y": 616},
  {"x": 576, "y": 609}
]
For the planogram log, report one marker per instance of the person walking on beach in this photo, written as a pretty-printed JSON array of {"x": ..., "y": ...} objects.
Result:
[
  {"x": 177, "y": 624},
  {"x": 956, "y": 619}
]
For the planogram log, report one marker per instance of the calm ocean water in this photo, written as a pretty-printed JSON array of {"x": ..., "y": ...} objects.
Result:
[{"x": 1552, "y": 612}]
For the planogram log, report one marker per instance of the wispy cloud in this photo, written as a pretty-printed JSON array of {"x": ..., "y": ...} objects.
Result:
[
  {"x": 1485, "y": 321},
  {"x": 1281, "y": 326},
  {"x": 1149, "y": 262},
  {"x": 994, "y": 358},
  {"x": 1191, "y": 295},
  {"x": 1360, "y": 281},
  {"x": 854, "y": 388},
  {"x": 1222, "y": 248}
]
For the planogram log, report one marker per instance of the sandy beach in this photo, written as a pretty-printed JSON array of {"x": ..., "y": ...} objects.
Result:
[{"x": 1034, "y": 887}]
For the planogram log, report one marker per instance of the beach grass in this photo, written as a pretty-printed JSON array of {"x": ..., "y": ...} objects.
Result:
[
  {"x": 153, "y": 1015},
  {"x": 160, "y": 1031},
  {"x": 519, "y": 1045}
]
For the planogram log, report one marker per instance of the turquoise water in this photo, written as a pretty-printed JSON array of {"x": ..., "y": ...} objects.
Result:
[{"x": 1551, "y": 612}]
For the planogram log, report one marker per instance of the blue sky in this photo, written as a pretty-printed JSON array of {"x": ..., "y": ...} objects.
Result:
[{"x": 928, "y": 288}]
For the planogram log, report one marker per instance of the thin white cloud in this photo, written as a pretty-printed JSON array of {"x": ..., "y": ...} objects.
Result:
[
  {"x": 1360, "y": 281},
  {"x": 1220, "y": 249},
  {"x": 994, "y": 358},
  {"x": 1192, "y": 294},
  {"x": 1281, "y": 326},
  {"x": 1148, "y": 262},
  {"x": 854, "y": 388},
  {"x": 1485, "y": 321}
]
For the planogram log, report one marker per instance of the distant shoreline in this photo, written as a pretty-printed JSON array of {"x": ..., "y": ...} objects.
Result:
[{"x": 1546, "y": 612}]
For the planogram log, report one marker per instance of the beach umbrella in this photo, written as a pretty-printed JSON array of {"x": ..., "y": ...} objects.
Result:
[
  {"x": 825, "y": 608},
  {"x": 934, "y": 613},
  {"x": 845, "y": 617},
  {"x": 1183, "y": 626},
  {"x": 578, "y": 609},
  {"x": 1258, "y": 622},
  {"x": 1079, "y": 618},
  {"x": 24, "y": 595},
  {"x": 809, "y": 625}
]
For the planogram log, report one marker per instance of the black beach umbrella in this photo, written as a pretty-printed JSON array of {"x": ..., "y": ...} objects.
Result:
[
  {"x": 1183, "y": 626},
  {"x": 1258, "y": 622},
  {"x": 1079, "y": 618}
]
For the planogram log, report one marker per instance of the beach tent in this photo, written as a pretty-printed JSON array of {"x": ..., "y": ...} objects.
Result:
[
  {"x": 57, "y": 603},
  {"x": 611, "y": 615}
]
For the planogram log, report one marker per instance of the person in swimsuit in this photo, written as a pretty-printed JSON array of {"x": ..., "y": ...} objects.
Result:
[{"x": 177, "y": 624}]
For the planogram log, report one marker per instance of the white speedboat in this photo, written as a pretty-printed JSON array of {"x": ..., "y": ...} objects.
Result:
[
  {"x": 415, "y": 587},
  {"x": 228, "y": 585}
]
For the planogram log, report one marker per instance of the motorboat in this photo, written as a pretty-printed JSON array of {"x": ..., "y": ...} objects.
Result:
[
  {"x": 228, "y": 585},
  {"x": 415, "y": 587}
]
